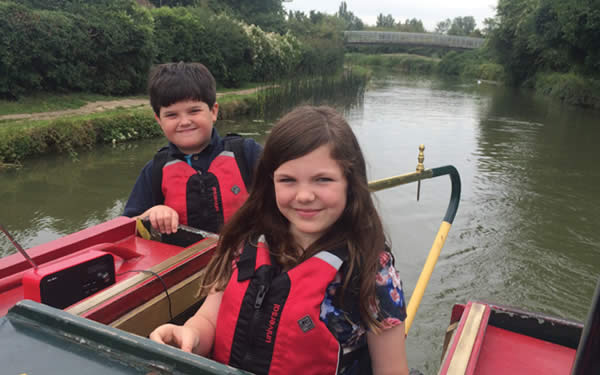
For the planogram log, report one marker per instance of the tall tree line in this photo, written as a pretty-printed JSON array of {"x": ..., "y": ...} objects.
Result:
[{"x": 532, "y": 36}]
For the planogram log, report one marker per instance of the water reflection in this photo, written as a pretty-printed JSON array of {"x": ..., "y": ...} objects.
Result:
[{"x": 538, "y": 161}]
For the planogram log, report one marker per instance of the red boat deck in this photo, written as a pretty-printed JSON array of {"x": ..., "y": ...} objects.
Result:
[
  {"x": 506, "y": 352},
  {"x": 479, "y": 347},
  {"x": 116, "y": 237}
]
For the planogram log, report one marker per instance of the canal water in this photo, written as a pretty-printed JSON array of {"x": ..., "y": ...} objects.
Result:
[{"x": 526, "y": 233}]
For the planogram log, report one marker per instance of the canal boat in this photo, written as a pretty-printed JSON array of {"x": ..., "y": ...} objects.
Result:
[{"x": 106, "y": 332}]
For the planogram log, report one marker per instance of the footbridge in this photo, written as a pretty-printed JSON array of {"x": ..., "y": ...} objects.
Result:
[{"x": 411, "y": 39}]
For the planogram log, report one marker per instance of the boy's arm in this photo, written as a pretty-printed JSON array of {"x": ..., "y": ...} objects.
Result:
[
  {"x": 140, "y": 198},
  {"x": 253, "y": 150}
]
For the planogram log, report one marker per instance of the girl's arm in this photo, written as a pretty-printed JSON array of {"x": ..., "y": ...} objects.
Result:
[
  {"x": 388, "y": 351},
  {"x": 197, "y": 335}
]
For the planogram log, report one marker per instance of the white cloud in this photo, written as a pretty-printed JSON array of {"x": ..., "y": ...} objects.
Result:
[{"x": 429, "y": 11}]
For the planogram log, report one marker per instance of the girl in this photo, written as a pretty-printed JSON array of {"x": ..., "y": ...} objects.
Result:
[{"x": 302, "y": 281}]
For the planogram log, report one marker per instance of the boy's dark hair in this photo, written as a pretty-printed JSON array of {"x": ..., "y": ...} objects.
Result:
[{"x": 174, "y": 82}]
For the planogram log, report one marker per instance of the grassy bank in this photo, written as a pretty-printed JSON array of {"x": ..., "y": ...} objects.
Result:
[
  {"x": 52, "y": 102},
  {"x": 399, "y": 62},
  {"x": 469, "y": 64},
  {"x": 48, "y": 102},
  {"x": 22, "y": 139}
]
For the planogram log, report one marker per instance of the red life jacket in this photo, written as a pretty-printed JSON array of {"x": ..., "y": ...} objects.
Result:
[
  {"x": 268, "y": 321},
  {"x": 205, "y": 201}
]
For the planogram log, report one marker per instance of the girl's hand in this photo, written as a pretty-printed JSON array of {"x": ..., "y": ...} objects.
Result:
[
  {"x": 197, "y": 335},
  {"x": 183, "y": 337}
]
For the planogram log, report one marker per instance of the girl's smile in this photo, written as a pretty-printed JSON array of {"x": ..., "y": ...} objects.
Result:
[
  {"x": 307, "y": 214},
  {"x": 310, "y": 193}
]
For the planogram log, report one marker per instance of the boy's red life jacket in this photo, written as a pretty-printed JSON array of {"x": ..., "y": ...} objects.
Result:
[
  {"x": 203, "y": 200},
  {"x": 268, "y": 321}
]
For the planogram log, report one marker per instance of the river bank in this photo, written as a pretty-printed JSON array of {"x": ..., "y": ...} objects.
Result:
[
  {"x": 24, "y": 136},
  {"x": 32, "y": 134},
  {"x": 571, "y": 88}
]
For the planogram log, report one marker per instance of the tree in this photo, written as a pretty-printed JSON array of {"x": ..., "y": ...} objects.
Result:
[
  {"x": 442, "y": 27},
  {"x": 532, "y": 36},
  {"x": 490, "y": 24},
  {"x": 385, "y": 21},
  {"x": 352, "y": 22},
  {"x": 412, "y": 26},
  {"x": 462, "y": 26}
]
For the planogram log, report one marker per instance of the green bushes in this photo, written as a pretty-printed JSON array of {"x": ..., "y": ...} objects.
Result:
[
  {"x": 546, "y": 36},
  {"x": 471, "y": 64},
  {"x": 454, "y": 63},
  {"x": 108, "y": 46},
  {"x": 273, "y": 55},
  {"x": 195, "y": 34},
  {"x": 569, "y": 87},
  {"x": 398, "y": 62},
  {"x": 321, "y": 56},
  {"x": 106, "y": 50}
]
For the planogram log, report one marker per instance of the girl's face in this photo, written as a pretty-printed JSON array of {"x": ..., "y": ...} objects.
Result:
[{"x": 311, "y": 193}]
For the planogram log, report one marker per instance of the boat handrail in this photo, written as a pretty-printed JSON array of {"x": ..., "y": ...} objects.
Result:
[{"x": 440, "y": 238}]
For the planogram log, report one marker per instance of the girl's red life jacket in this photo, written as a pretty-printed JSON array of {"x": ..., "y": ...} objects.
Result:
[
  {"x": 205, "y": 201},
  {"x": 268, "y": 321}
]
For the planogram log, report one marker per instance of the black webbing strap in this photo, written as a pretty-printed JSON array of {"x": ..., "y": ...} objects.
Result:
[
  {"x": 159, "y": 161},
  {"x": 247, "y": 262},
  {"x": 235, "y": 143}
]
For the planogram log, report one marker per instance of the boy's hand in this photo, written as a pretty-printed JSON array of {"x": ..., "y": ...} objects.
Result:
[{"x": 163, "y": 218}]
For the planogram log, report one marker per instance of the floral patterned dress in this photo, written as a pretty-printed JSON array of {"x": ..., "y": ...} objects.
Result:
[{"x": 347, "y": 327}]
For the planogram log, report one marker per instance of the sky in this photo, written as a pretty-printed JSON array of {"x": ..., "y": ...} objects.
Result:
[{"x": 429, "y": 11}]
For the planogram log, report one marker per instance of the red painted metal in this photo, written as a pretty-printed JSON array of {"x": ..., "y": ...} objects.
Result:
[
  {"x": 116, "y": 237},
  {"x": 116, "y": 307},
  {"x": 506, "y": 352},
  {"x": 502, "y": 351}
]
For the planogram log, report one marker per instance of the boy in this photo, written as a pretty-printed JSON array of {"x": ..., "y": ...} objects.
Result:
[{"x": 199, "y": 179}]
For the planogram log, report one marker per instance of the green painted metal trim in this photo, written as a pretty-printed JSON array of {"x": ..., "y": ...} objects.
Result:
[
  {"x": 455, "y": 193},
  {"x": 390, "y": 182},
  {"x": 113, "y": 343}
]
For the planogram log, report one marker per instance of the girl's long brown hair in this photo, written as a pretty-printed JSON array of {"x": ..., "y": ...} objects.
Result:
[{"x": 359, "y": 228}]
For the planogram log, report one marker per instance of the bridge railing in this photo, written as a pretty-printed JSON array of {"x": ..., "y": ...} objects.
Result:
[{"x": 421, "y": 39}]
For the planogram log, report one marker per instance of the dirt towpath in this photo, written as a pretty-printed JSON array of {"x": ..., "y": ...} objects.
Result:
[{"x": 99, "y": 106}]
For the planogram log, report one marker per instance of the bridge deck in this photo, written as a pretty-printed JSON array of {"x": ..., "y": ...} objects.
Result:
[{"x": 404, "y": 38}]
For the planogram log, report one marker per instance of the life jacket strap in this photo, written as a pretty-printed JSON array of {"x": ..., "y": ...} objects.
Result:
[{"x": 247, "y": 262}]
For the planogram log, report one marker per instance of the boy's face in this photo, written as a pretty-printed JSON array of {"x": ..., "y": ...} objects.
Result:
[{"x": 188, "y": 124}]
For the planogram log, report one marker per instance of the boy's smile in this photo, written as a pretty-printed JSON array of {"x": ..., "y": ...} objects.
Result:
[
  {"x": 310, "y": 193},
  {"x": 188, "y": 124}
]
